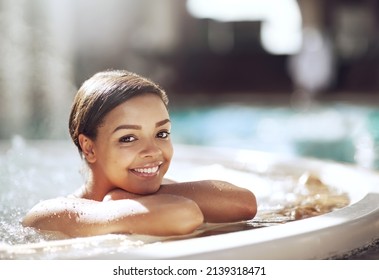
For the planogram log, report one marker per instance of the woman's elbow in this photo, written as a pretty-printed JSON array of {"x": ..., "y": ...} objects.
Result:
[
  {"x": 29, "y": 220},
  {"x": 249, "y": 206},
  {"x": 245, "y": 207},
  {"x": 186, "y": 219},
  {"x": 34, "y": 217}
]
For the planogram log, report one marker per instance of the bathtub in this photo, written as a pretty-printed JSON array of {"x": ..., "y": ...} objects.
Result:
[{"x": 31, "y": 171}]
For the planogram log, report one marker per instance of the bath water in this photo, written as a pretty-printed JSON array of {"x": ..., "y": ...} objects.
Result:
[
  {"x": 34, "y": 171},
  {"x": 31, "y": 171}
]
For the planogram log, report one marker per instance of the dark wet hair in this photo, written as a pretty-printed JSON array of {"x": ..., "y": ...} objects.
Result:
[{"x": 100, "y": 94}]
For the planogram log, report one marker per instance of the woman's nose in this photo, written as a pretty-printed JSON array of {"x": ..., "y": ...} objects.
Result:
[{"x": 151, "y": 150}]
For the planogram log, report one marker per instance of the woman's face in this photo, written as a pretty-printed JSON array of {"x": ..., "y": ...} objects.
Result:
[{"x": 133, "y": 148}]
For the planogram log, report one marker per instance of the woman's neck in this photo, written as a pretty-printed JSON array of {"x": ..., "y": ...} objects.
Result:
[{"x": 94, "y": 188}]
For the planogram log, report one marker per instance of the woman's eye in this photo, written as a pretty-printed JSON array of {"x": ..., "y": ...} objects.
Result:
[
  {"x": 163, "y": 134},
  {"x": 127, "y": 139}
]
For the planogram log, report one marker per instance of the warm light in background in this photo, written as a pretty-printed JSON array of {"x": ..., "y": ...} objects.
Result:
[{"x": 281, "y": 19}]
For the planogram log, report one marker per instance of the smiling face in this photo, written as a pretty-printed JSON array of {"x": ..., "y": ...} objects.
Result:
[{"x": 133, "y": 149}]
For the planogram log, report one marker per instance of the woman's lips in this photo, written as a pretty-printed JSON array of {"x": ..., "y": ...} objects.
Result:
[{"x": 147, "y": 171}]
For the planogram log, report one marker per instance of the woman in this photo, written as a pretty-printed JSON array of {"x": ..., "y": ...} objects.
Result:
[{"x": 121, "y": 126}]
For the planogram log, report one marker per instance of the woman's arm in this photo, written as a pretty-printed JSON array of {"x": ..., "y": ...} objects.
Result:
[
  {"x": 160, "y": 215},
  {"x": 219, "y": 201}
]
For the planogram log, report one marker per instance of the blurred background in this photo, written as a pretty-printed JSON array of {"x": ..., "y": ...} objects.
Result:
[{"x": 285, "y": 76}]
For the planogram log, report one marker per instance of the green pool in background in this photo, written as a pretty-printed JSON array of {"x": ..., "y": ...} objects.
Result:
[{"x": 340, "y": 132}]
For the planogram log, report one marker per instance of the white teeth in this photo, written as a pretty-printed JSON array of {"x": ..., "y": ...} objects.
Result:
[{"x": 147, "y": 170}]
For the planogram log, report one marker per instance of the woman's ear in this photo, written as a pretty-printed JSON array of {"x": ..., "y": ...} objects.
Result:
[{"x": 87, "y": 147}]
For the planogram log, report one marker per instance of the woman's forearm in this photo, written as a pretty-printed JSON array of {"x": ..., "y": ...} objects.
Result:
[
  {"x": 218, "y": 200},
  {"x": 159, "y": 215}
]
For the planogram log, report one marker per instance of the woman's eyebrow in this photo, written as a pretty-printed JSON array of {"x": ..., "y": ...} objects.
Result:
[
  {"x": 139, "y": 127},
  {"x": 163, "y": 122},
  {"x": 128, "y": 126}
]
